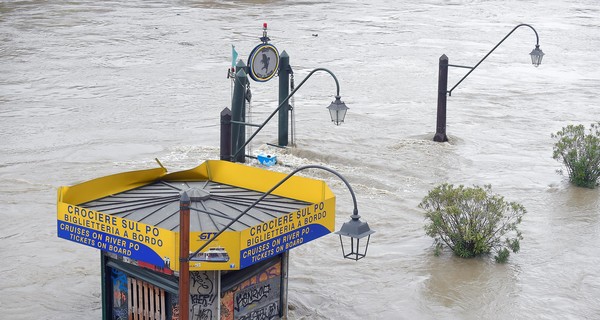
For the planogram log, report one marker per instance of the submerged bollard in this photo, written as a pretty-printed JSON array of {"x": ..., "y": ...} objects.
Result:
[
  {"x": 440, "y": 129},
  {"x": 226, "y": 134},
  {"x": 284, "y": 91}
]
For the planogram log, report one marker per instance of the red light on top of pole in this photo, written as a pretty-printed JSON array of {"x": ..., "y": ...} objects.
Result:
[{"x": 264, "y": 25}]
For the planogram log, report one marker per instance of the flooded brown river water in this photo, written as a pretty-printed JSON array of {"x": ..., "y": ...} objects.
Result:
[{"x": 90, "y": 88}]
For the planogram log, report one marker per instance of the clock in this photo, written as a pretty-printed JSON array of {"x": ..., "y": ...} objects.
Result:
[{"x": 263, "y": 62}]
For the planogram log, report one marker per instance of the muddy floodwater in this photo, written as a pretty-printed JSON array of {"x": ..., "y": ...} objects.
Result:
[{"x": 91, "y": 88}]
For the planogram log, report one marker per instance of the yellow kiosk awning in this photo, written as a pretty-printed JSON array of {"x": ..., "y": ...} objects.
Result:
[{"x": 136, "y": 214}]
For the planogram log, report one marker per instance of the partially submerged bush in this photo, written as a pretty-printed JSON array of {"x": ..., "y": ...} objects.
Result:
[
  {"x": 580, "y": 154},
  {"x": 472, "y": 221}
]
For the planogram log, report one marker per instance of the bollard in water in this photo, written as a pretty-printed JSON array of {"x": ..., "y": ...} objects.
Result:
[
  {"x": 226, "y": 134},
  {"x": 284, "y": 91},
  {"x": 440, "y": 130}
]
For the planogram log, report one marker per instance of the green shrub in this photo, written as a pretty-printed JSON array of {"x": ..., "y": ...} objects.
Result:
[
  {"x": 580, "y": 154},
  {"x": 472, "y": 221}
]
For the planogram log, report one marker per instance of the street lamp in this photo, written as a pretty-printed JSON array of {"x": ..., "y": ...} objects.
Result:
[
  {"x": 353, "y": 231},
  {"x": 440, "y": 133},
  {"x": 337, "y": 110},
  {"x": 536, "y": 55}
]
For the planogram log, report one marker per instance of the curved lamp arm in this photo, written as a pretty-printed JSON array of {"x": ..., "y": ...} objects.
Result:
[
  {"x": 284, "y": 102},
  {"x": 537, "y": 45},
  {"x": 355, "y": 215}
]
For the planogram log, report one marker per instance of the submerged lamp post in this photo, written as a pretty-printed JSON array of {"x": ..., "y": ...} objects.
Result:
[
  {"x": 440, "y": 133},
  {"x": 337, "y": 110}
]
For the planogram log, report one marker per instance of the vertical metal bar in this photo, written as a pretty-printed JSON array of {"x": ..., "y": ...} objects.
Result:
[
  {"x": 226, "y": 134},
  {"x": 283, "y": 313},
  {"x": 284, "y": 91},
  {"x": 342, "y": 245},
  {"x": 440, "y": 129},
  {"x": 184, "y": 251},
  {"x": 238, "y": 106},
  {"x": 219, "y": 294},
  {"x": 104, "y": 283}
]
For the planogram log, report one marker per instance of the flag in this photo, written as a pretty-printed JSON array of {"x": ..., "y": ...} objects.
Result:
[{"x": 234, "y": 56}]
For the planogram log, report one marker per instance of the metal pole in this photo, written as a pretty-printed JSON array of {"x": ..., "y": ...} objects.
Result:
[
  {"x": 284, "y": 90},
  {"x": 104, "y": 280},
  {"x": 285, "y": 261},
  {"x": 238, "y": 106},
  {"x": 184, "y": 252},
  {"x": 226, "y": 134},
  {"x": 440, "y": 129}
]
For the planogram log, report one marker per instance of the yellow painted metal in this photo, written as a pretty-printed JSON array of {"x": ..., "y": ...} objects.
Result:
[
  {"x": 246, "y": 247},
  {"x": 105, "y": 186},
  {"x": 297, "y": 187},
  {"x": 115, "y": 234}
]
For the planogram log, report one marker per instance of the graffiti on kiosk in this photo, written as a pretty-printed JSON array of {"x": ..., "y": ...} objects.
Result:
[
  {"x": 268, "y": 312},
  {"x": 257, "y": 297},
  {"x": 203, "y": 294}
]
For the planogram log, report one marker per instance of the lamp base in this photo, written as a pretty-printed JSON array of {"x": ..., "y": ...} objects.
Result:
[{"x": 440, "y": 137}]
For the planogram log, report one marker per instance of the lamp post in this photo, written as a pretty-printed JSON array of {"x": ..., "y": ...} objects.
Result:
[
  {"x": 354, "y": 230},
  {"x": 337, "y": 110},
  {"x": 440, "y": 133}
]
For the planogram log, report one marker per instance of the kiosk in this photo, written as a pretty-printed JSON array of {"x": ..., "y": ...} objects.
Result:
[{"x": 134, "y": 219}]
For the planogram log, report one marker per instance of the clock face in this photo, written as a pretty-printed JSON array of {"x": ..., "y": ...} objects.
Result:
[{"x": 263, "y": 62}]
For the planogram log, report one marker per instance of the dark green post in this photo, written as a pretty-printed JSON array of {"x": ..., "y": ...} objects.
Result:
[
  {"x": 440, "y": 130},
  {"x": 284, "y": 91},
  {"x": 238, "y": 113},
  {"x": 226, "y": 134}
]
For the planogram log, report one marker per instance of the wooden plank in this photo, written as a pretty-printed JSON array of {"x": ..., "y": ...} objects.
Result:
[
  {"x": 145, "y": 301},
  {"x": 151, "y": 311},
  {"x": 129, "y": 300},
  {"x": 162, "y": 305},
  {"x": 156, "y": 304},
  {"x": 140, "y": 305},
  {"x": 135, "y": 299},
  {"x": 145, "y": 304}
]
